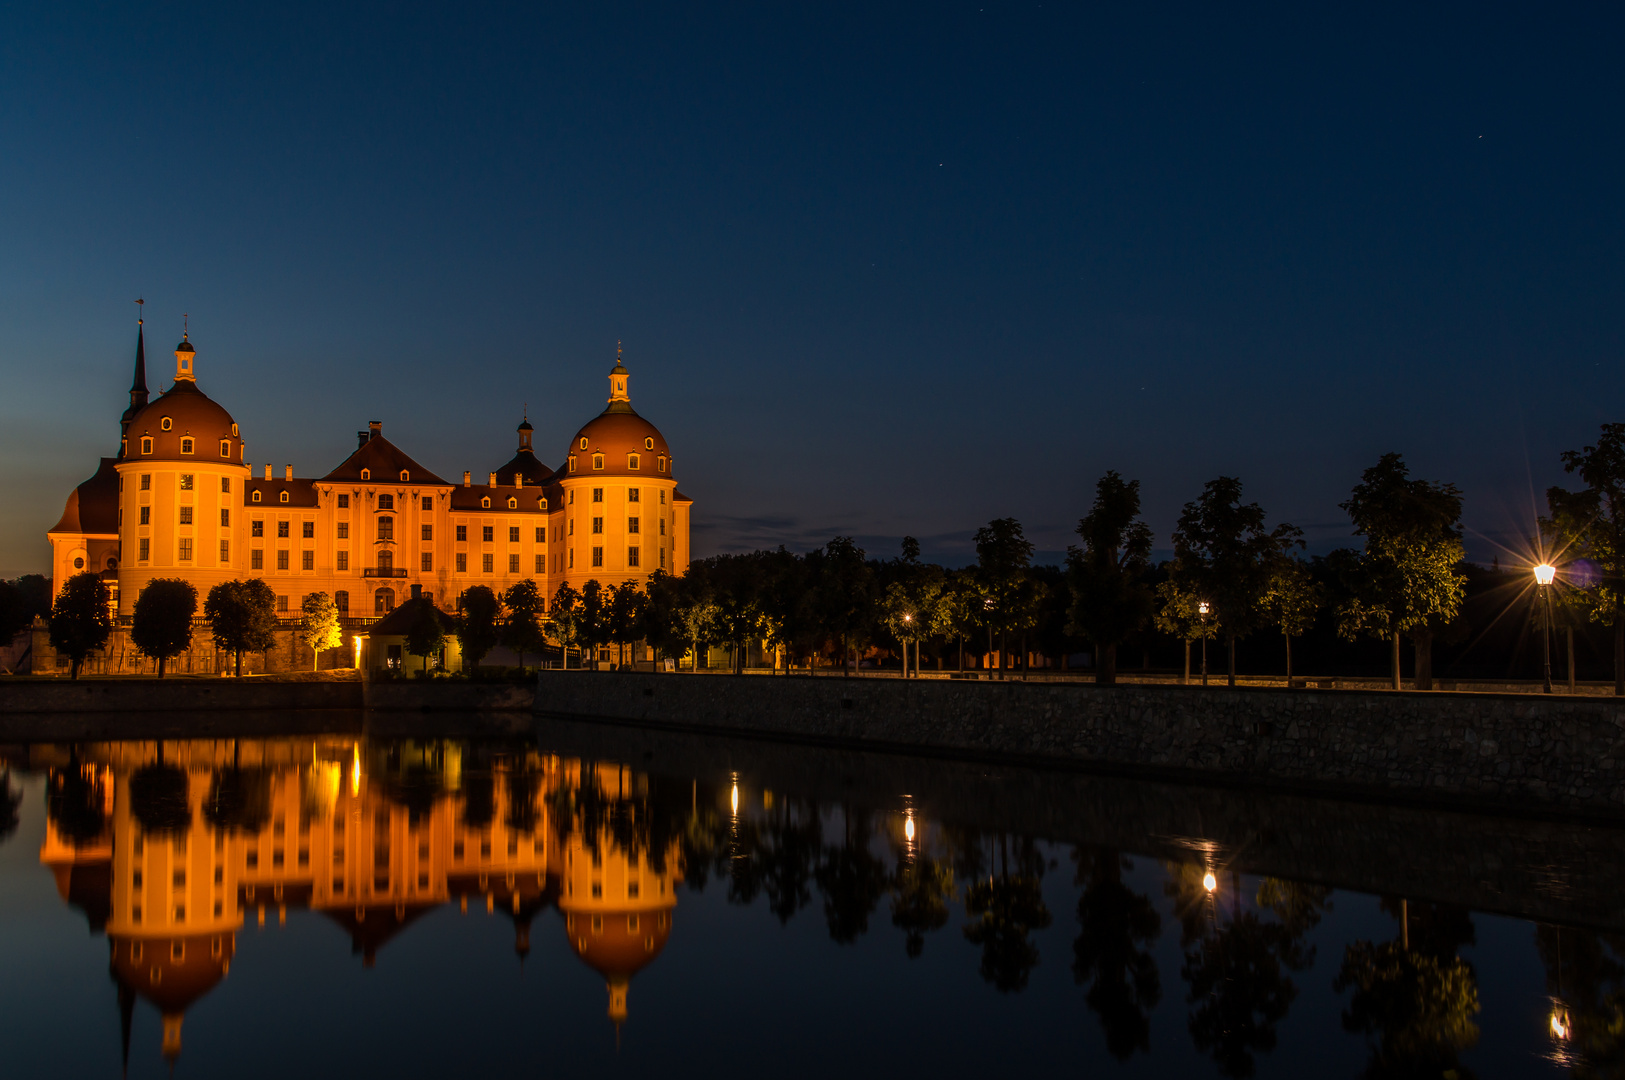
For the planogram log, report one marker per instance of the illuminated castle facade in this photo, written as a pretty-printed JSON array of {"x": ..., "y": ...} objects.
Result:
[{"x": 181, "y": 500}]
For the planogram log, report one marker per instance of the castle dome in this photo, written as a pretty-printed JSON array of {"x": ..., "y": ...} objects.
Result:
[
  {"x": 627, "y": 443},
  {"x": 184, "y": 412}
]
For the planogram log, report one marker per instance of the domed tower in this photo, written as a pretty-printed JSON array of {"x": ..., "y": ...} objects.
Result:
[
  {"x": 622, "y": 515},
  {"x": 181, "y": 476}
]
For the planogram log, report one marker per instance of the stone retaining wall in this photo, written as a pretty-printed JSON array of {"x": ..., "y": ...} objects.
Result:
[
  {"x": 23, "y": 696},
  {"x": 1554, "y": 753}
]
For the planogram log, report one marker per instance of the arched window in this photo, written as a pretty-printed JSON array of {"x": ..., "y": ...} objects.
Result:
[
  {"x": 225, "y": 448},
  {"x": 255, "y": 496},
  {"x": 386, "y": 528},
  {"x": 146, "y": 445},
  {"x": 485, "y": 501},
  {"x": 386, "y": 501},
  {"x": 383, "y": 601},
  {"x": 405, "y": 476},
  {"x": 284, "y": 496},
  {"x": 598, "y": 461},
  {"x": 513, "y": 504},
  {"x": 366, "y": 474},
  {"x": 632, "y": 461}
]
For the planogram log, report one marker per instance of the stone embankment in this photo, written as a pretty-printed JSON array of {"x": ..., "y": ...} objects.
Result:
[{"x": 1557, "y": 754}]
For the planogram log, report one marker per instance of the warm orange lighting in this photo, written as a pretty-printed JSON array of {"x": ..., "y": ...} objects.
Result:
[
  {"x": 1202, "y": 609},
  {"x": 908, "y": 828},
  {"x": 355, "y": 771},
  {"x": 1544, "y": 573},
  {"x": 735, "y": 800},
  {"x": 358, "y": 650},
  {"x": 1560, "y": 1024},
  {"x": 1209, "y": 882}
]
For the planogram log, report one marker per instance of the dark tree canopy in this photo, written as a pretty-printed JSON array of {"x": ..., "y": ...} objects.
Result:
[
  {"x": 162, "y": 621},
  {"x": 1110, "y": 596},
  {"x": 477, "y": 629},
  {"x": 242, "y": 617},
  {"x": 80, "y": 620}
]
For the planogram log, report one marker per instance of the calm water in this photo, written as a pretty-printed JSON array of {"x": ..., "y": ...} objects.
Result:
[{"x": 576, "y": 898}]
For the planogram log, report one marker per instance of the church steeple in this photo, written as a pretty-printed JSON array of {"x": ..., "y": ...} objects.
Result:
[
  {"x": 619, "y": 399},
  {"x": 138, "y": 388},
  {"x": 183, "y": 359}
]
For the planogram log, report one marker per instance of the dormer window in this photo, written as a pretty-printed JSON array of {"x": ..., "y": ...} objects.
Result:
[
  {"x": 541, "y": 504},
  {"x": 386, "y": 501},
  {"x": 660, "y": 463},
  {"x": 186, "y": 446},
  {"x": 366, "y": 474},
  {"x": 234, "y": 431},
  {"x": 485, "y": 501},
  {"x": 513, "y": 504},
  {"x": 146, "y": 444},
  {"x": 284, "y": 496},
  {"x": 165, "y": 424},
  {"x": 255, "y": 497},
  {"x": 572, "y": 463},
  {"x": 649, "y": 443},
  {"x": 405, "y": 476},
  {"x": 225, "y": 448},
  {"x": 632, "y": 461},
  {"x": 583, "y": 442},
  {"x": 598, "y": 461}
]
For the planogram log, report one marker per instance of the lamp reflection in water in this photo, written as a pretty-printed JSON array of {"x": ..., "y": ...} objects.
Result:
[
  {"x": 355, "y": 770},
  {"x": 1209, "y": 882},
  {"x": 734, "y": 798}
]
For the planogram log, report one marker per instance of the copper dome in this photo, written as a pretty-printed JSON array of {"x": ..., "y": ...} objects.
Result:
[{"x": 190, "y": 413}]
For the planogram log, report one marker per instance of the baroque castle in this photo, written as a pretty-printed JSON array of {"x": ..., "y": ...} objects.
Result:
[{"x": 181, "y": 500}]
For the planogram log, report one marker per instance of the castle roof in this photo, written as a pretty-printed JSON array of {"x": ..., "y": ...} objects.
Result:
[
  {"x": 385, "y": 463},
  {"x": 92, "y": 506}
]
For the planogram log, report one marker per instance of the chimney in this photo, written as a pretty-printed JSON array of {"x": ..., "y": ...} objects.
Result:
[
  {"x": 518, "y": 479},
  {"x": 468, "y": 478},
  {"x": 417, "y": 591},
  {"x": 493, "y": 479},
  {"x": 287, "y": 472},
  {"x": 269, "y": 469},
  {"x": 361, "y": 438},
  {"x": 375, "y": 428}
]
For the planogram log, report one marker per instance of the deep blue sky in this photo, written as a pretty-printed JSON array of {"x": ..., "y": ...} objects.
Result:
[{"x": 878, "y": 271}]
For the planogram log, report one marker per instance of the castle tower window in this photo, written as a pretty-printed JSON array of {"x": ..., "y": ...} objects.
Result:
[
  {"x": 631, "y": 556},
  {"x": 145, "y": 549},
  {"x": 307, "y": 560},
  {"x": 307, "y": 529},
  {"x": 631, "y": 524},
  {"x": 572, "y": 463},
  {"x": 597, "y": 494},
  {"x": 187, "y": 480},
  {"x": 598, "y": 556},
  {"x": 598, "y": 461},
  {"x": 343, "y": 558},
  {"x": 632, "y": 461},
  {"x": 660, "y": 463},
  {"x": 256, "y": 559},
  {"x": 225, "y": 448},
  {"x": 649, "y": 443},
  {"x": 597, "y": 525},
  {"x": 428, "y": 562},
  {"x": 282, "y": 559},
  {"x": 225, "y": 551},
  {"x": 234, "y": 431},
  {"x": 146, "y": 515},
  {"x": 632, "y": 495},
  {"x": 186, "y": 549},
  {"x": 583, "y": 442},
  {"x": 165, "y": 424},
  {"x": 386, "y": 501},
  {"x": 146, "y": 481},
  {"x": 513, "y": 534},
  {"x": 225, "y": 485},
  {"x": 486, "y": 533},
  {"x": 462, "y": 562},
  {"x": 186, "y": 515},
  {"x": 513, "y": 564},
  {"x": 428, "y": 532},
  {"x": 146, "y": 444},
  {"x": 541, "y": 534},
  {"x": 186, "y": 446}
]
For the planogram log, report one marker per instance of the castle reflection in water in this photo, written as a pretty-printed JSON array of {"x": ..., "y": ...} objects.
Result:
[{"x": 169, "y": 847}]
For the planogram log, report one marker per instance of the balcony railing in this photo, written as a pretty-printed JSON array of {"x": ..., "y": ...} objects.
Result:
[{"x": 384, "y": 571}]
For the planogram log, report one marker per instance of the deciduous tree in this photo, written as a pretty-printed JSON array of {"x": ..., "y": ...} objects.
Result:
[
  {"x": 478, "y": 609},
  {"x": 1590, "y": 525},
  {"x": 522, "y": 623},
  {"x": 242, "y": 617},
  {"x": 161, "y": 624},
  {"x": 1293, "y": 601},
  {"x": 80, "y": 620},
  {"x": 1106, "y": 574},
  {"x": 319, "y": 627}
]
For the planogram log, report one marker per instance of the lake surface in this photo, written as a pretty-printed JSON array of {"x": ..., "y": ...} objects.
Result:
[{"x": 410, "y": 903}]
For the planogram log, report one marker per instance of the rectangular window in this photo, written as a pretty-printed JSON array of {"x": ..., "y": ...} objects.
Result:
[
  {"x": 513, "y": 534},
  {"x": 462, "y": 562},
  {"x": 186, "y": 549},
  {"x": 343, "y": 558},
  {"x": 428, "y": 503},
  {"x": 539, "y": 569},
  {"x": 146, "y": 480},
  {"x": 513, "y": 564},
  {"x": 631, "y": 556},
  {"x": 282, "y": 605},
  {"x": 662, "y": 558},
  {"x": 597, "y": 525},
  {"x": 186, "y": 515},
  {"x": 225, "y": 518},
  {"x": 307, "y": 530},
  {"x": 386, "y": 528},
  {"x": 598, "y": 556},
  {"x": 225, "y": 448},
  {"x": 572, "y": 526},
  {"x": 631, "y": 525},
  {"x": 597, "y": 494},
  {"x": 662, "y": 526},
  {"x": 462, "y": 534},
  {"x": 186, "y": 446},
  {"x": 225, "y": 551},
  {"x": 282, "y": 529},
  {"x": 662, "y": 496},
  {"x": 146, "y": 549},
  {"x": 341, "y": 600},
  {"x": 307, "y": 560},
  {"x": 344, "y": 530},
  {"x": 428, "y": 532},
  {"x": 572, "y": 558},
  {"x": 486, "y": 562},
  {"x": 256, "y": 559},
  {"x": 256, "y": 528},
  {"x": 428, "y": 561},
  {"x": 186, "y": 481},
  {"x": 541, "y": 534},
  {"x": 488, "y": 533},
  {"x": 282, "y": 559},
  {"x": 146, "y": 446},
  {"x": 344, "y": 502},
  {"x": 146, "y": 515},
  {"x": 632, "y": 495},
  {"x": 225, "y": 484}
]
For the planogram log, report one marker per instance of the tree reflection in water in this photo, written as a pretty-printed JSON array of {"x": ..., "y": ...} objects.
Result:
[
  {"x": 1113, "y": 922},
  {"x": 1585, "y": 976},
  {"x": 10, "y": 801},
  {"x": 922, "y": 888},
  {"x": 1414, "y": 997},
  {"x": 159, "y": 798},
  {"x": 75, "y": 802},
  {"x": 1005, "y": 908},
  {"x": 850, "y": 877}
]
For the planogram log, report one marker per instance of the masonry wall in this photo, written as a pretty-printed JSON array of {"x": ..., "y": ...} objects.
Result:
[
  {"x": 121, "y": 657},
  {"x": 1556, "y": 753}
]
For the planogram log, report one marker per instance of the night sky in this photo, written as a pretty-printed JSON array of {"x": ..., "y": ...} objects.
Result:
[{"x": 878, "y": 269}]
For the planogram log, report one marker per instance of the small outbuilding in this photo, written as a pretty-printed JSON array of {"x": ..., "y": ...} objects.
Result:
[{"x": 386, "y": 646}]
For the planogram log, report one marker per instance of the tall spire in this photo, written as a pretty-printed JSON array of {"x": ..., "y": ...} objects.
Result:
[{"x": 138, "y": 387}]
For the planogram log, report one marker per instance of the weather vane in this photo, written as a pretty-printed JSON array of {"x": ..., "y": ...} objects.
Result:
[{"x": 139, "y": 310}]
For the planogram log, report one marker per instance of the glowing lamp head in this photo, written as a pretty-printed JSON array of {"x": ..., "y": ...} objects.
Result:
[
  {"x": 1209, "y": 882},
  {"x": 1544, "y": 573},
  {"x": 1202, "y": 608}
]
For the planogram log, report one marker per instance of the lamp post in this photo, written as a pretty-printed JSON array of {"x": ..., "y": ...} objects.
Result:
[
  {"x": 1202, "y": 610},
  {"x": 1544, "y": 573}
]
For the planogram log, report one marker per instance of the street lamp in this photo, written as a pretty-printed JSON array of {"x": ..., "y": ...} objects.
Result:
[
  {"x": 1544, "y": 573},
  {"x": 1202, "y": 610}
]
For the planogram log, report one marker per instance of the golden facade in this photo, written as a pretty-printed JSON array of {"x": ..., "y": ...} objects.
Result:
[{"x": 180, "y": 499}]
